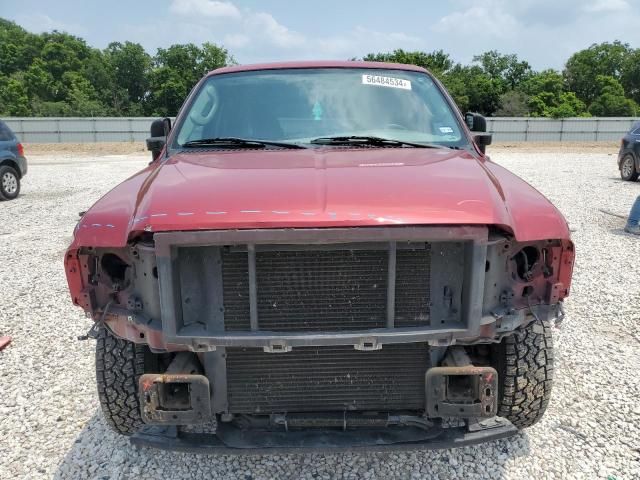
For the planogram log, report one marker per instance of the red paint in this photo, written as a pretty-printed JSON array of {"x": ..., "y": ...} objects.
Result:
[
  {"x": 4, "y": 341},
  {"x": 325, "y": 187},
  {"x": 74, "y": 278},
  {"x": 318, "y": 187},
  {"x": 316, "y": 64}
]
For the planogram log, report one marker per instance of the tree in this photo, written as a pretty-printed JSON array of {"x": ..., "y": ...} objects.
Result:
[
  {"x": 14, "y": 100},
  {"x": 168, "y": 91},
  {"x": 631, "y": 75},
  {"x": 473, "y": 90},
  {"x": 582, "y": 68},
  {"x": 128, "y": 65},
  {"x": 514, "y": 103},
  {"x": 545, "y": 90},
  {"x": 470, "y": 87},
  {"x": 506, "y": 69},
  {"x": 177, "y": 69},
  {"x": 567, "y": 105},
  {"x": 437, "y": 62},
  {"x": 55, "y": 73},
  {"x": 611, "y": 101},
  {"x": 547, "y": 81},
  {"x": 18, "y": 47}
]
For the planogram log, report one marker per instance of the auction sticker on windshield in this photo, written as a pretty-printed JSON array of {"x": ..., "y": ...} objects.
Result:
[{"x": 381, "y": 81}]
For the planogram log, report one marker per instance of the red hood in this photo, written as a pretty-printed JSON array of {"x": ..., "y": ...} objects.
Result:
[{"x": 328, "y": 187}]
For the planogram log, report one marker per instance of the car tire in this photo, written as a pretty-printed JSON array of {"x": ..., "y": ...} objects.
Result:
[
  {"x": 119, "y": 365},
  {"x": 524, "y": 361},
  {"x": 9, "y": 183},
  {"x": 628, "y": 168}
]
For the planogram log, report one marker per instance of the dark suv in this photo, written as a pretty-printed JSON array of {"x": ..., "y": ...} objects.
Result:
[
  {"x": 629, "y": 155},
  {"x": 13, "y": 164}
]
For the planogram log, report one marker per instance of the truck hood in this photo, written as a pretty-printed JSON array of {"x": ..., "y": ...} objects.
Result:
[{"x": 319, "y": 187}]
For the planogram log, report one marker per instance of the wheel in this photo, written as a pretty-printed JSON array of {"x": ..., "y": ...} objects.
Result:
[
  {"x": 524, "y": 362},
  {"x": 628, "y": 168},
  {"x": 9, "y": 183},
  {"x": 119, "y": 364}
]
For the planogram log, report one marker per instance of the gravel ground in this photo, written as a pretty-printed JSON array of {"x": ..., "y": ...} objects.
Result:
[{"x": 50, "y": 425}]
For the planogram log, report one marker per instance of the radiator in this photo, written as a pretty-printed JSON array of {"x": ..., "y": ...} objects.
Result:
[{"x": 327, "y": 378}]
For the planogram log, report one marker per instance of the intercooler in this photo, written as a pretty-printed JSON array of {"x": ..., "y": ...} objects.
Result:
[{"x": 327, "y": 378}]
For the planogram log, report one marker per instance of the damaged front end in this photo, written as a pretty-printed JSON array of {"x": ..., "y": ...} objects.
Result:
[{"x": 322, "y": 338}]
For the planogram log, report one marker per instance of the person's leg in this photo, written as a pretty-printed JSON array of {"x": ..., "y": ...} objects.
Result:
[{"x": 633, "y": 222}]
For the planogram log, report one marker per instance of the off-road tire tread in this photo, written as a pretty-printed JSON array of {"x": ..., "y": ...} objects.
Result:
[
  {"x": 119, "y": 364},
  {"x": 525, "y": 365}
]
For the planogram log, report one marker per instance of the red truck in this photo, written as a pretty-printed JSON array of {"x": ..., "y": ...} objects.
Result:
[{"x": 321, "y": 256}]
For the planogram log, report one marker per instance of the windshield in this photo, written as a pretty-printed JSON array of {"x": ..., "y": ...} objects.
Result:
[{"x": 300, "y": 105}]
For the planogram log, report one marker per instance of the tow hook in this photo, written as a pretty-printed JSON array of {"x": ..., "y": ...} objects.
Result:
[
  {"x": 180, "y": 396},
  {"x": 460, "y": 389}
]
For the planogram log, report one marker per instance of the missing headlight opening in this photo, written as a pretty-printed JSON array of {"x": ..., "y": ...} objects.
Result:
[
  {"x": 526, "y": 260},
  {"x": 114, "y": 267}
]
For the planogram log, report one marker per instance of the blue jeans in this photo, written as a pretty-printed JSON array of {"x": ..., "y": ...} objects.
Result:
[{"x": 633, "y": 222}]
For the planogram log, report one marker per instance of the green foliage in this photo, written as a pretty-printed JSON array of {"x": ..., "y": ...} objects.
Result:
[
  {"x": 473, "y": 89},
  {"x": 13, "y": 97},
  {"x": 583, "y": 67},
  {"x": 18, "y": 47},
  {"x": 177, "y": 69},
  {"x": 504, "y": 69},
  {"x": 127, "y": 68},
  {"x": 57, "y": 74},
  {"x": 611, "y": 101},
  {"x": 568, "y": 105},
  {"x": 630, "y": 77},
  {"x": 603, "y": 80},
  {"x": 547, "y": 81},
  {"x": 548, "y": 96},
  {"x": 437, "y": 62},
  {"x": 514, "y": 103}
]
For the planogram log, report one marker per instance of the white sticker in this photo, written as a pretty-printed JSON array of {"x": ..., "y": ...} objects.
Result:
[
  {"x": 446, "y": 130},
  {"x": 381, "y": 81}
]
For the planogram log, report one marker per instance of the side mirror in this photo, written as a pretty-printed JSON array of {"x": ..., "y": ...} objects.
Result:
[
  {"x": 160, "y": 128},
  {"x": 478, "y": 126}
]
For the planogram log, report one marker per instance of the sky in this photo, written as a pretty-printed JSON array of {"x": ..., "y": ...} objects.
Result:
[{"x": 543, "y": 32}]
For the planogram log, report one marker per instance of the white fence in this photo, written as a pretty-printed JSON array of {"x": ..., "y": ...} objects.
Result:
[
  {"x": 516, "y": 129},
  {"x": 79, "y": 129},
  {"x": 524, "y": 129}
]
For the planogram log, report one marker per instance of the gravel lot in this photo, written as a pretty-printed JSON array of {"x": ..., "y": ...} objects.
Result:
[{"x": 50, "y": 425}]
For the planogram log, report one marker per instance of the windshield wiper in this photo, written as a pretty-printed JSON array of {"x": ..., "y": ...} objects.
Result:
[
  {"x": 237, "y": 142},
  {"x": 370, "y": 140}
]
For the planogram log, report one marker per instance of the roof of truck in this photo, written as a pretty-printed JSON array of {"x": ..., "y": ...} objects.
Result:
[{"x": 316, "y": 64}]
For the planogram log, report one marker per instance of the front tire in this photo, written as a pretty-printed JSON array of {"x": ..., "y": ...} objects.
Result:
[
  {"x": 524, "y": 362},
  {"x": 9, "y": 183},
  {"x": 119, "y": 365},
  {"x": 628, "y": 168}
]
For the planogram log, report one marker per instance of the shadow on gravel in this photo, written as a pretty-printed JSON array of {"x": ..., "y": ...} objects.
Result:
[
  {"x": 101, "y": 454},
  {"x": 620, "y": 232}
]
